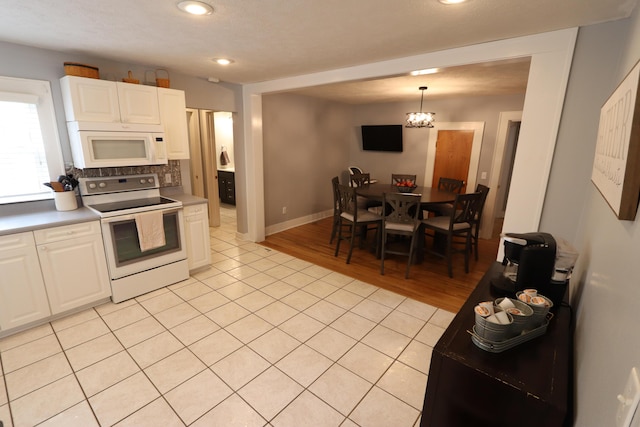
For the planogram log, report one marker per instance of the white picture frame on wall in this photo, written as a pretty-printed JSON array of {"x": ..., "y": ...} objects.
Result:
[{"x": 616, "y": 165}]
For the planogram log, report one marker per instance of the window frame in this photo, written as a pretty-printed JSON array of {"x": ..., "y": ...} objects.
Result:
[{"x": 13, "y": 89}]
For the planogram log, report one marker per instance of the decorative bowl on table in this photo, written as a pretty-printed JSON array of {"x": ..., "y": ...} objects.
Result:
[{"x": 406, "y": 188}]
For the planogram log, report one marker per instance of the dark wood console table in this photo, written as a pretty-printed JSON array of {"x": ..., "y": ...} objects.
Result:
[{"x": 527, "y": 385}]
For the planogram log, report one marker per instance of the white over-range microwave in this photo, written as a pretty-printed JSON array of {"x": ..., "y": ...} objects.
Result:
[{"x": 99, "y": 145}]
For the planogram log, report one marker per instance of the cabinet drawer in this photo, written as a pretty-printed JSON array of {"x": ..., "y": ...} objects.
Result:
[
  {"x": 195, "y": 210},
  {"x": 16, "y": 241},
  {"x": 66, "y": 232}
]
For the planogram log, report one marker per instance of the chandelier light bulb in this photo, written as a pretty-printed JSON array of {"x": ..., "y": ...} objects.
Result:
[{"x": 420, "y": 119}]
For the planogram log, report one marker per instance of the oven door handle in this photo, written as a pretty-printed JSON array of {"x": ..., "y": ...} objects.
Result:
[{"x": 132, "y": 217}]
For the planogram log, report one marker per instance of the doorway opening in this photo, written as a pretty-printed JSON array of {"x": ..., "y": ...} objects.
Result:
[
  {"x": 212, "y": 165},
  {"x": 502, "y": 168}
]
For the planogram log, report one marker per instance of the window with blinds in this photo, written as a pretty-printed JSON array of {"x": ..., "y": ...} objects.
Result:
[{"x": 29, "y": 146}]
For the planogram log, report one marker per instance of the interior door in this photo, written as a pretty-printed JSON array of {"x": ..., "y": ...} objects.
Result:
[{"x": 453, "y": 156}]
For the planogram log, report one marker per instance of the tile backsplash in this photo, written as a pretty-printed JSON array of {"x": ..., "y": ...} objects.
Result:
[{"x": 173, "y": 168}]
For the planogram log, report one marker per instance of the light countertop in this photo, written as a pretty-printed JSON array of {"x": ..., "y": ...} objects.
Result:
[
  {"x": 29, "y": 216},
  {"x": 38, "y": 215},
  {"x": 176, "y": 193}
]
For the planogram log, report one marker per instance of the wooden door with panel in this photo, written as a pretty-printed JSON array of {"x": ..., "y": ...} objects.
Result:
[{"x": 453, "y": 155}]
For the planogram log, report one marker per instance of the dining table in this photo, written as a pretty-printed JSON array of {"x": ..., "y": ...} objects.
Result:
[{"x": 428, "y": 195}]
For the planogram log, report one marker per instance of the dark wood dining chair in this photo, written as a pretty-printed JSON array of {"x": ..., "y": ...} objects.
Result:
[
  {"x": 361, "y": 180},
  {"x": 475, "y": 223},
  {"x": 354, "y": 221},
  {"x": 401, "y": 219},
  {"x": 451, "y": 185},
  {"x": 456, "y": 224},
  {"x": 335, "y": 181},
  {"x": 397, "y": 178}
]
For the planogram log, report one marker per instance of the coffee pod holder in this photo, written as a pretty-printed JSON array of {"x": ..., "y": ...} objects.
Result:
[
  {"x": 539, "y": 312},
  {"x": 522, "y": 329},
  {"x": 522, "y": 321}
]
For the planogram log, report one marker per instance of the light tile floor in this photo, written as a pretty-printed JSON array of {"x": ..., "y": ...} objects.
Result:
[{"x": 259, "y": 339}]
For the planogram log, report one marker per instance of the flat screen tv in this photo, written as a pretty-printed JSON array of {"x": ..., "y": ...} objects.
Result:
[{"x": 382, "y": 137}]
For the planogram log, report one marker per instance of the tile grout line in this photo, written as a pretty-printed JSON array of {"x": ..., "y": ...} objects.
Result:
[{"x": 298, "y": 287}]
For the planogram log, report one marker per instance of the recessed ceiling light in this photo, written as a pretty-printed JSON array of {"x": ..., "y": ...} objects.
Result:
[
  {"x": 424, "y": 72},
  {"x": 452, "y": 1},
  {"x": 195, "y": 7},
  {"x": 223, "y": 61}
]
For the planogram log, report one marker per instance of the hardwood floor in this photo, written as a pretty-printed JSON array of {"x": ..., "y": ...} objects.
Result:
[{"x": 428, "y": 281}]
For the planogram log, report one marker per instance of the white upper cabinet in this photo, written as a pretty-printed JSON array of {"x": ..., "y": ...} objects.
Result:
[
  {"x": 173, "y": 115},
  {"x": 138, "y": 103},
  {"x": 90, "y": 100},
  {"x": 95, "y": 100}
]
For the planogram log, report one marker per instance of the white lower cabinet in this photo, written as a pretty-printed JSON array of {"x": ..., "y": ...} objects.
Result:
[
  {"x": 196, "y": 218},
  {"x": 23, "y": 298},
  {"x": 73, "y": 265}
]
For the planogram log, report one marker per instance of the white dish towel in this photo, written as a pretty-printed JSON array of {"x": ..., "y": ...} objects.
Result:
[{"x": 150, "y": 229}]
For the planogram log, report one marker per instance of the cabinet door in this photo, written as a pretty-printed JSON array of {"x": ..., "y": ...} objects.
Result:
[
  {"x": 173, "y": 115},
  {"x": 138, "y": 103},
  {"x": 89, "y": 99},
  {"x": 23, "y": 298},
  {"x": 227, "y": 187},
  {"x": 75, "y": 272},
  {"x": 196, "y": 220}
]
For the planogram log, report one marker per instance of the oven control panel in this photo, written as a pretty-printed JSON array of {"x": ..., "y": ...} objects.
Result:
[{"x": 115, "y": 184}]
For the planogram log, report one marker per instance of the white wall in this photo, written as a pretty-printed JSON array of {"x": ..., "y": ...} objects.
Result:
[
  {"x": 605, "y": 283},
  {"x": 224, "y": 137}
]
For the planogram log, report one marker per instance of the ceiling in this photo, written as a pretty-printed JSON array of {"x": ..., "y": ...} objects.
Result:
[{"x": 282, "y": 38}]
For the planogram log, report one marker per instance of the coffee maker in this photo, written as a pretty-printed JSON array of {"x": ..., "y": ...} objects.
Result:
[{"x": 529, "y": 260}]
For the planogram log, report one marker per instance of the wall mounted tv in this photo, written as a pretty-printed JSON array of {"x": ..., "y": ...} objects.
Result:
[{"x": 382, "y": 137}]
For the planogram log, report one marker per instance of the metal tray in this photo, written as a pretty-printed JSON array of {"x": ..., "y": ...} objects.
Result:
[{"x": 500, "y": 346}]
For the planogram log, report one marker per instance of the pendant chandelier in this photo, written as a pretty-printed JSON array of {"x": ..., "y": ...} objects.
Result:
[{"x": 420, "y": 119}]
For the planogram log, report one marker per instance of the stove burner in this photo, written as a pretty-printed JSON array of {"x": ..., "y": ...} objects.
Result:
[{"x": 131, "y": 204}]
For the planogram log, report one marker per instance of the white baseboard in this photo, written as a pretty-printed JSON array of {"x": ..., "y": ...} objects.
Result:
[{"x": 296, "y": 222}]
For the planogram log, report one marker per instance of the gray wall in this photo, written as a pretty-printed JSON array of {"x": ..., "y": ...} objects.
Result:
[
  {"x": 414, "y": 157},
  {"x": 317, "y": 139},
  {"x": 306, "y": 143},
  {"x": 605, "y": 284}
]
